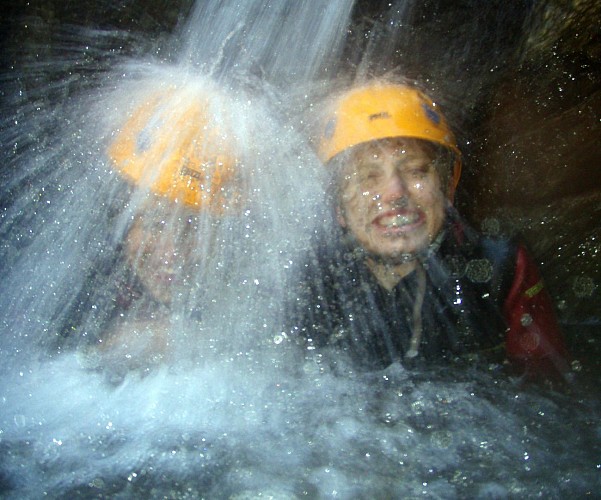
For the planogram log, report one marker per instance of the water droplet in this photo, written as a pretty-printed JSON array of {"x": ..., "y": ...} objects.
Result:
[
  {"x": 526, "y": 319},
  {"x": 479, "y": 270},
  {"x": 583, "y": 286}
]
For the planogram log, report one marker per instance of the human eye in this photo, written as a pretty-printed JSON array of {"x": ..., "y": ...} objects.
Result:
[
  {"x": 423, "y": 170},
  {"x": 370, "y": 175},
  {"x": 416, "y": 170}
]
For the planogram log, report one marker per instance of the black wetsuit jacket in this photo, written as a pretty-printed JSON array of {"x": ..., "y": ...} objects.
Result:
[{"x": 477, "y": 299}]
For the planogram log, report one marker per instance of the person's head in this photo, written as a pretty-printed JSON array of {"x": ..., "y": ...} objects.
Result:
[
  {"x": 161, "y": 247},
  {"x": 178, "y": 150},
  {"x": 395, "y": 167}
]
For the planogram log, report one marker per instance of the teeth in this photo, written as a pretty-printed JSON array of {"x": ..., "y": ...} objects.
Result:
[{"x": 398, "y": 220}]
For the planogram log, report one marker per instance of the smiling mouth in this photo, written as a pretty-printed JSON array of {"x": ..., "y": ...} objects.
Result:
[{"x": 397, "y": 220}]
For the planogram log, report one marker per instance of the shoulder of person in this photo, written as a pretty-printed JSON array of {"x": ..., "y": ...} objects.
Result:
[
  {"x": 464, "y": 239},
  {"x": 485, "y": 259}
]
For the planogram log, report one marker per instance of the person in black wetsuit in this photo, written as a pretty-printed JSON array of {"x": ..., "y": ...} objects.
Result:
[{"x": 405, "y": 279}]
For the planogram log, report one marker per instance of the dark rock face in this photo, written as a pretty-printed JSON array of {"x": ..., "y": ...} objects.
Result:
[{"x": 537, "y": 169}]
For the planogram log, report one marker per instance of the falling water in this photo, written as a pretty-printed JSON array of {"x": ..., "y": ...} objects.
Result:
[{"x": 228, "y": 411}]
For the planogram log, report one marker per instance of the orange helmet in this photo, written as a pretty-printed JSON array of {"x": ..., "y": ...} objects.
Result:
[
  {"x": 384, "y": 110},
  {"x": 172, "y": 145}
]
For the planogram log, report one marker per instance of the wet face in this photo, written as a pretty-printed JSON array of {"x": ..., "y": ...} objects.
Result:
[
  {"x": 160, "y": 250},
  {"x": 391, "y": 198}
]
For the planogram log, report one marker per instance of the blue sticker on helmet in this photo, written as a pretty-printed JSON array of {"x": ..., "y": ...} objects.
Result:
[
  {"x": 432, "y": 115},
  {"x": 329, "y": 129}
]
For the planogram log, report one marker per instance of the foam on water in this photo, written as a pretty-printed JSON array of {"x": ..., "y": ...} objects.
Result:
[{"x": 228, "y": 430}]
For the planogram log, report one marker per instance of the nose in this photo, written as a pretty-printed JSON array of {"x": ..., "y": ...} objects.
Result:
[{"x": 394, "y": 188}]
